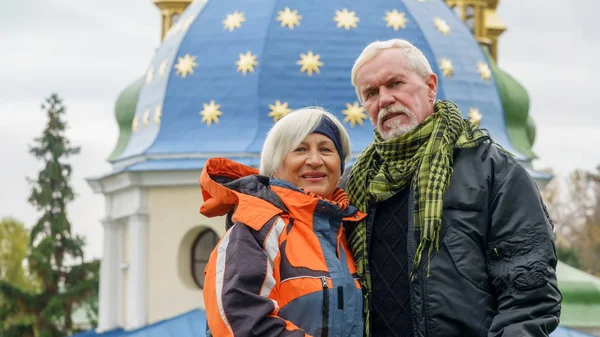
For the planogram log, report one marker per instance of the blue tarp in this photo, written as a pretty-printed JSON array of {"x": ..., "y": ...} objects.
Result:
[
  {"x": 562, "y": 331},
  {"x": 193, "y": 324},
  {"x": 190, "y": 324}
]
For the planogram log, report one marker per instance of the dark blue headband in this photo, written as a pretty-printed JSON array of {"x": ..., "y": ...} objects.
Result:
[{"x": 329, "y": 130}]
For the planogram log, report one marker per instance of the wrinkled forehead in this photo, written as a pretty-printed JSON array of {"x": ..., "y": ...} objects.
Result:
[{"x": 373, "y": 77}]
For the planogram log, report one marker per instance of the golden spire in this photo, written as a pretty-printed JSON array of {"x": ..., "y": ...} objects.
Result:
[
  {"x": 480, "y": 16},
  {"x": 170, "y": 11},
  {"x": 493, "y": 26}
]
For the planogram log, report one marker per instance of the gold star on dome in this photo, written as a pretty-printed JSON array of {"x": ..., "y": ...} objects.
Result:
[
  {"x": 146, "y": 117},
  {"x": 446, "y": 66},
  {"x": 346, "y": 19},
  {"x": 279, "y": 110},
  {"x": 135, "y": 124},
  {"x": 234, "y": 21},
  {"x": 150, "y": 75},
  {"x": 442, "y": 26},
  {"x": 475, "y": 116},
  {"x": 310, "y": 63},
  {"x": 484, "y": 70},
  {"x": 158, "y": 114},
  {"x": 246, "y": 63},
  {"x": 289, "y": 18},
  {"x": 395, "y": 19},
  {"x": 185, "y": 65},
  {"x": 354, "y": 114},
  {"x": 162, "y": 69},
  {"x": 211, "y": 113}
]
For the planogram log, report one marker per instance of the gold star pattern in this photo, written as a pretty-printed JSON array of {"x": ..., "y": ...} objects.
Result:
[
  {"x": 289, "y": 18},
  {"x": 446, "y": 66},
  {"x": 162, "y": 69},
  {"x": 475, "y": 116},
  {"x": 146, "y": 117},
  {"x": 346, "y": 19},
  {"x": 185, "y": 65},
  {"x": 234, "y": 20},
  {"x": 484, "y": 70},
  {"x": 442, "y": 26},
  {"x": 279, "y": 110},
  {"x": 158, "y": 114},
  {"x": 150, "y": 75},
  {"x": 246, "y": 63},
  {"x": 310, "y": 63},
  {"x": 211, "y": 113},
  {"x": 354, "y": 114},
  {"x": 134, "y": 124},
  {"x": 395, "y": 19}
]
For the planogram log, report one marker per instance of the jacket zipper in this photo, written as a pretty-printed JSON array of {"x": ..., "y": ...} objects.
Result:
[{"x": 325, "y": 327}]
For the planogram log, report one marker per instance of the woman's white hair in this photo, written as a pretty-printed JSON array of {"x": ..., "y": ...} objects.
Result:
[
  {"x": 290, "y": 131},
  {"x": 415, "y": 58}
]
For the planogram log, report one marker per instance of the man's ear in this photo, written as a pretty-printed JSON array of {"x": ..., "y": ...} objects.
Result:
[{"x": 431, "y": 80}]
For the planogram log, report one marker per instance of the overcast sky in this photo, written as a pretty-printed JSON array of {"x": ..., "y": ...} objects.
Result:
[{"x": 88, "y": 51}]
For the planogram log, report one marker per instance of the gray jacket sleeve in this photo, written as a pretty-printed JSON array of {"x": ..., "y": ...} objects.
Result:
[{"x": 521, "y": 258}]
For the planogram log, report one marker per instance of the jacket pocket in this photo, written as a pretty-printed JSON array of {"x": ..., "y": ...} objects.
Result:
[{"x": 468, "y": 258}]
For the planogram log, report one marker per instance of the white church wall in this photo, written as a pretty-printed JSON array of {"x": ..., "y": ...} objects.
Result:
[{"x": 174, "y": 224}]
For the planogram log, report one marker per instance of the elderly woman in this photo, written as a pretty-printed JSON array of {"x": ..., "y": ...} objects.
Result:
[{"x": 283, "y": 268}]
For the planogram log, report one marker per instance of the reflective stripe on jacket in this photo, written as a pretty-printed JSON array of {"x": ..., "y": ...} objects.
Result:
[{"x": 283, "y": 268}]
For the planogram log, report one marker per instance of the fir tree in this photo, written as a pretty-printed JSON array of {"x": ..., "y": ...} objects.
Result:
[{"x": 56, "y": 256}]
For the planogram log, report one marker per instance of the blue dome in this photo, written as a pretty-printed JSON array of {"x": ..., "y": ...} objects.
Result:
[{"x": 225, "y": 65}]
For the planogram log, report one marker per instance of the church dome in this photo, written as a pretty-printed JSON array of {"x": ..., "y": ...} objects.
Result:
[
  {"x": 124, "y": 113},
  {"x": 227, "y": 69}
]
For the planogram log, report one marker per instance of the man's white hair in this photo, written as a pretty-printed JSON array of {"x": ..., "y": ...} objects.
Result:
[
  {"x": 290, "y": 131},
  {"x": 415, "y": 58}
]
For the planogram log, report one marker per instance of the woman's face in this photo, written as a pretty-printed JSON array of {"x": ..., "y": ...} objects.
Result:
[{"x": 314, "y": 165}]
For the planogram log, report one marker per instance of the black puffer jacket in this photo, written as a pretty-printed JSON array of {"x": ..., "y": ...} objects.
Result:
[{"x": 494, "y": 274}]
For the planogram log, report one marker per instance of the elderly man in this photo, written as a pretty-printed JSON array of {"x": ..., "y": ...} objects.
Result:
[{"x": 457, "y": 241}]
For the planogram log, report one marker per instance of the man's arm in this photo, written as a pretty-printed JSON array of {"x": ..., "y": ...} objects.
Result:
[{"x": 522, "y": 258}]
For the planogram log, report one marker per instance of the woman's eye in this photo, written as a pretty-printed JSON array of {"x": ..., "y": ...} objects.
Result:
[
  {"x": 326, "y": 149},
  {"x": 300, "y": 149}
]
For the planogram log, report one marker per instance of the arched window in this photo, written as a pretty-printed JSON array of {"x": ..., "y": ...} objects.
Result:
[{"x": 201, "y": 249}]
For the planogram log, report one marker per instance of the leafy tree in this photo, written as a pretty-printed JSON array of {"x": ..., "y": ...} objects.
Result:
[
  {"x": 13, "y": 250},
  {"x": 56, "y": 255},
  {"x": 574, "y": 205},
  {"x": 568, "y": 256}
]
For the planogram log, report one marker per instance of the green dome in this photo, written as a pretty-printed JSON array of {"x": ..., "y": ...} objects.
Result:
[
  {"x": 581, "y": 297},
  {"x": 515, "y": 103},
  {"x": 124, "y": 112}
]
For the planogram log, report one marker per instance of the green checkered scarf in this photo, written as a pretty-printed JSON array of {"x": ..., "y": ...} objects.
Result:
[{"x": 421, "y": 159}]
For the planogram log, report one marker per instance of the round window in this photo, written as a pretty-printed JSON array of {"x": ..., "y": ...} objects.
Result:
[{"x": 203, "y": 246}]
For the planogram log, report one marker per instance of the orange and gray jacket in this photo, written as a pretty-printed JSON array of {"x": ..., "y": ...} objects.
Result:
[{"x": 283, "y": 268}]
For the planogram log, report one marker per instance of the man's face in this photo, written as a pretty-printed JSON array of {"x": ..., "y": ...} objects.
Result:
[{"x": 395, "y": 97}]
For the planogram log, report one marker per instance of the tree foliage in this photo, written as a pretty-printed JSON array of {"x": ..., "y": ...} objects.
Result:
[
  {"x": 574, "y": 205},
  {"x": 55, "y": 254},
  {"x": 13, "y": 250}
]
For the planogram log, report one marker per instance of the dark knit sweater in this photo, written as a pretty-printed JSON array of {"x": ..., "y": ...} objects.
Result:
[{"x": 388, "y": 260}]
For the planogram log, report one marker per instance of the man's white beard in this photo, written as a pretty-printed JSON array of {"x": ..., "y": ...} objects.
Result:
[{"x": 395, "y": 128}]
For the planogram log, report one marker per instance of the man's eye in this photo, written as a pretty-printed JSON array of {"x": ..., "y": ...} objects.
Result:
[{"x": 371, "y": 93}]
